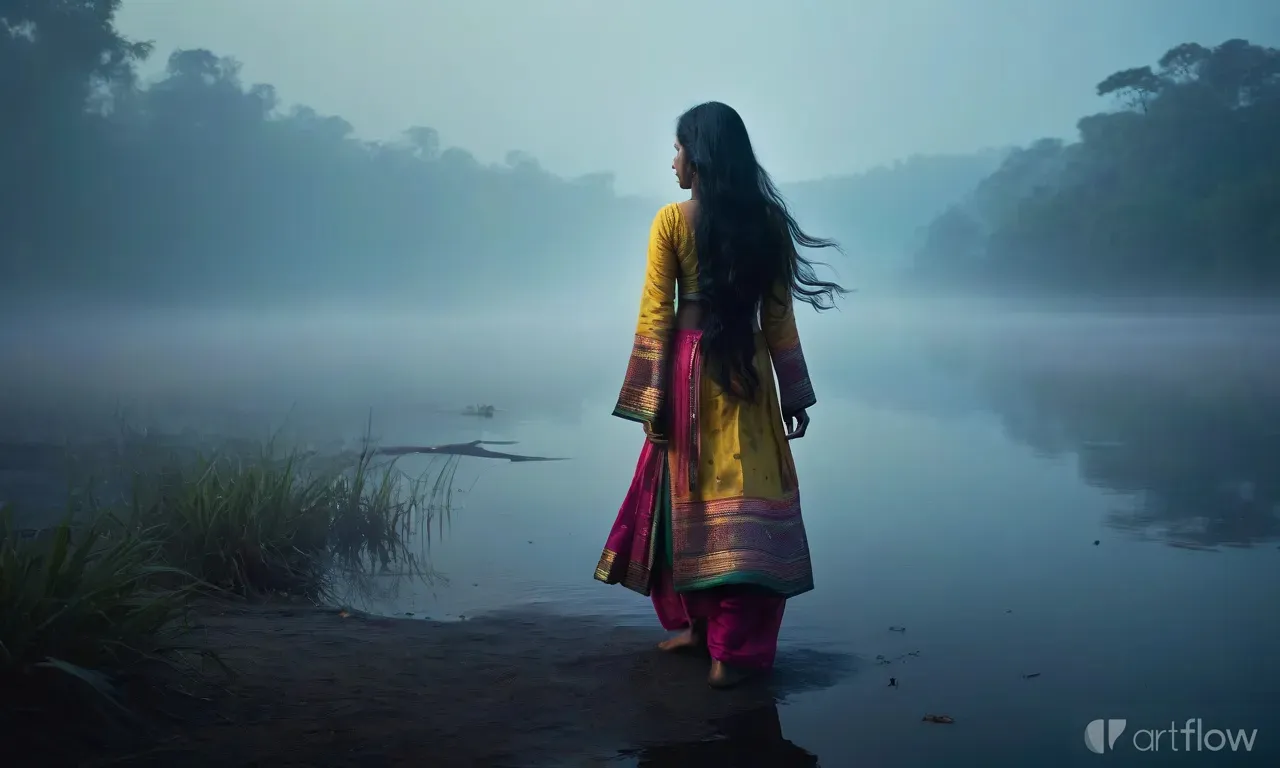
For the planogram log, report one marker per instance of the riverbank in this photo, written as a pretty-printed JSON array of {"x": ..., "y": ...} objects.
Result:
[
  {"x": 326, "y": 688},
  {"x": 194, "y": 607}
]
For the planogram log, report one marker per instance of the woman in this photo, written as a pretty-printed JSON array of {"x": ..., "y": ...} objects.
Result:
[{"x": 711, "y": 526}]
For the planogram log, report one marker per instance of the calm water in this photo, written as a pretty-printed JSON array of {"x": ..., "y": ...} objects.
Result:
[
  {"x": 1092, "y": 502},
  {"x": 1087, "y": 500}
]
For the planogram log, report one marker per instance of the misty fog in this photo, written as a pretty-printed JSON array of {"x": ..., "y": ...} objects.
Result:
[
  {"x": 205, "y": 232},
  {"x": 1060, "y": 224}
]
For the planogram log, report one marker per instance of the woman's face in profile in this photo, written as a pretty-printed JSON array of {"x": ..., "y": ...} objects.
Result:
[{"x": 682, "y": 167}]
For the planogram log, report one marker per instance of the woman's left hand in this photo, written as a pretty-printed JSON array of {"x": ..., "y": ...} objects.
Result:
[
  {"x": 797, "y": 424},
  {"x": 653, "y": 436}
]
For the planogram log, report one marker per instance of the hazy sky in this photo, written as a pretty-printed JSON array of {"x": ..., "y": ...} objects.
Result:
[{"x": 826, "y": 86}]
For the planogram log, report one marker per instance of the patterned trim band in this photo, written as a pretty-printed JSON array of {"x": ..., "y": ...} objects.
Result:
[
  {"x": 741, "y": 541},
  {"x": 642, "y": 389},
  {"x": 795, "y": 390}
]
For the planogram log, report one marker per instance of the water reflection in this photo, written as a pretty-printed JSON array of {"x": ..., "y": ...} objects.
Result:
[
  {"x": 1197, "y": 467},
  {"x": 1182, "y": 428},
  {"x": 745, "y": 729},
  {"x": 744, "y": 740}
]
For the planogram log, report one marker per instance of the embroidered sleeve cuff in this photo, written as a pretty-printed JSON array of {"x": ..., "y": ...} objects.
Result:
[
  {"x": 795, "y": 390},
  {"x": 642, "y": 390}
]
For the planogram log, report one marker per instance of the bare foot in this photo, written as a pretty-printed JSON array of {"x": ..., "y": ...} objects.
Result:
[
  {"x": 690, "y": 639},
  {"x": 725, "y": 676}
]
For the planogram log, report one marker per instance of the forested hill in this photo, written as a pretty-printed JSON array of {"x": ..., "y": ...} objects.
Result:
[
  {"x": 200, "y": 186},
  {"x": 1176, "y": 190}
]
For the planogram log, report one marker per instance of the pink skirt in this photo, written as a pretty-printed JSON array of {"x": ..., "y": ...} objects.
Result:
[{"x": 741, "y": 621}]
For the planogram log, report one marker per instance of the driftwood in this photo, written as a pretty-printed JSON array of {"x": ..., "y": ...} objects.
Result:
[{"x": 473, "y": 448}]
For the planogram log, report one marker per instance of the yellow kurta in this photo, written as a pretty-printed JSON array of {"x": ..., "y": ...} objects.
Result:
[{"x": 735, "y": 510}]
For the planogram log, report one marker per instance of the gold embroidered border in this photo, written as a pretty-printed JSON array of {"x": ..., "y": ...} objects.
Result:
[
  {"x": 643, "y": 387},
  {"x": 636, "y": 577},
  {"x": 742, "y": 540}
]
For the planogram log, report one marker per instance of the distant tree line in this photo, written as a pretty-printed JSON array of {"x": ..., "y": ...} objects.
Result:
[
  {"x": 200, "y": 186},
  {"x": 1176, "y": 191}
]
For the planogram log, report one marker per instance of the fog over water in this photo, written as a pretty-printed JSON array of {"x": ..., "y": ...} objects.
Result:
[
  {"x": 551, "y": 358},
  {"x": 1047, "y": 436}
]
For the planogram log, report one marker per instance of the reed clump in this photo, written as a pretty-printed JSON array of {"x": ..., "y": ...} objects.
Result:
[
  {"x": 295, "y": 524},
  {"x": 80, "y": 605},
  {"x": 163, "y": 525}
]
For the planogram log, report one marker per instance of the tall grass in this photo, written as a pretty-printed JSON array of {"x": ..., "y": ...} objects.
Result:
[
  {"x": 78, "y": 603},
  {"x": 113, "y": 584},
  {"x": 293, "y": 524}
]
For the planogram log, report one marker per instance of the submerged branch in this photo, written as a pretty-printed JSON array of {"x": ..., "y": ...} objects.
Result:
[{"x": 473, "y": 448}]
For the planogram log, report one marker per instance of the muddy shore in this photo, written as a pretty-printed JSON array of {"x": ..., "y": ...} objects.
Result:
[{"x": 322, "y": 687}]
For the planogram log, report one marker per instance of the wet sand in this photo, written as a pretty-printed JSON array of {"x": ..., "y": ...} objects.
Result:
[{"x": 316, "y": 687}]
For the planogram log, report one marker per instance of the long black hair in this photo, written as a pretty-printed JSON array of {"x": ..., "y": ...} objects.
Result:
[{"x": 746, "y": 241}]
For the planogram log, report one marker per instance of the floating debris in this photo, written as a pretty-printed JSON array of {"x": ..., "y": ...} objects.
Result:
[
  {"x": 472, "y": 448},
  {"x": 343, "y": 615},
  {"x": 942, "y": 719},
  {"x": 1096, "y": 542},
  {"x": 882, "y": 659},
  {"x": 897, "y": 629},
  {"x": 1030, "y": 675}
]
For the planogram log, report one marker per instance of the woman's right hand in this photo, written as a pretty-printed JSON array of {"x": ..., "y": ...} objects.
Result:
[{"x": 796, "y": 424}]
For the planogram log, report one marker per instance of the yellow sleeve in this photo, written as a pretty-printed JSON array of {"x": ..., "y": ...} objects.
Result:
[
  {"x": 644, "y": 388},
  {"x": 778, "y": 321}
]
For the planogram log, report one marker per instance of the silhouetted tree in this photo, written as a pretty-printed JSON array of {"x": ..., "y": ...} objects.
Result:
[
  {"x": 1177, "y": 191},
  {"x": 200, "y": 187}
]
